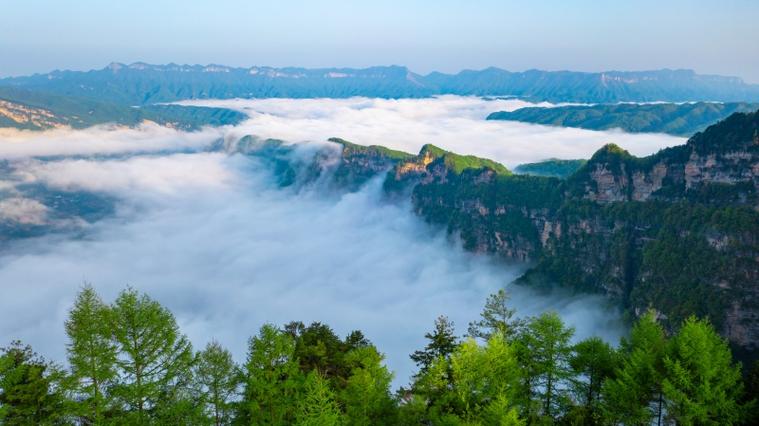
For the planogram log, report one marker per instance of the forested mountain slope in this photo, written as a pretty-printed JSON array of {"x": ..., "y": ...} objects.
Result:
[
  {"x": 676, "y": 119},
  {"x": 677, "y": 232}
]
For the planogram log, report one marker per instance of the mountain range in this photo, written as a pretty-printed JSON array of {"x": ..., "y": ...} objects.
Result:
[{"x": 142, "y": 84}]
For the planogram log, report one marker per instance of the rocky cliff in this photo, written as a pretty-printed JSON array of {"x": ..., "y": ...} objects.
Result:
[{"x": 677, "y": 232}]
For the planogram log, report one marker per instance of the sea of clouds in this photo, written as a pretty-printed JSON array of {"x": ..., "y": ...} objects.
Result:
[
  {"x": 454, "y": 123},
  {"x": 211, "y": 236}
]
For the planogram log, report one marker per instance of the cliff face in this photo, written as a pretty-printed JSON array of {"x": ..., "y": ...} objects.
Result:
[
  {"x": 677, "y": 232},
  {"x": 719, "y": 166}
]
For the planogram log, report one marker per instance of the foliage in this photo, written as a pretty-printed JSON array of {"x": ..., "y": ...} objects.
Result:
[
  {"x": 551, "y": 168},
  {"x": 317, "y": 407},
  {"x": 533, "y": 376},
  {"x": 218, "y": 380},
  {"x": 92, "y": 355},
  {"x": 701, "y": 384},
  {"x": 497, "y": 318},
  {"x": 30, "y": 388},
  {"x": 153, "y": 358},
  {"x": 683, "y": 119},
  {"x": 442, "y": 343}
]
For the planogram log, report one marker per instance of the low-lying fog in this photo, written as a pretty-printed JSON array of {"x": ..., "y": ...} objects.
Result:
[
  {"x": 210, "y": 235},
  {"x": 455, "y": 123}
]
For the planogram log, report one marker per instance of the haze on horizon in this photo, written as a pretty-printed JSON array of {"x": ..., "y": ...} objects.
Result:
[{"x": 42, "y": 35}]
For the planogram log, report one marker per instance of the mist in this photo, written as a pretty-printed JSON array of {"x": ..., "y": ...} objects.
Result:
[
  {"x": 212, "y": 237},
  {"x": 455, "y": 123}
]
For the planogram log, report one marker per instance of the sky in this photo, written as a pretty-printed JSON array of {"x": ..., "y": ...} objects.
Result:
[{"x": 711, "y": 37}]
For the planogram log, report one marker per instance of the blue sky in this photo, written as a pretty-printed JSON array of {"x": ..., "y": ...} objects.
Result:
[{"x": 709, "y": 36}]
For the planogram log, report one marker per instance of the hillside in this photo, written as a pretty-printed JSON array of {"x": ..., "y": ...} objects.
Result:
[
  {"x": 35, "y": 110},
  {"x": 675, "y": 231},
  {"x": 676, "y": 119},
  {"x": 141, "y": 84},
  {"x": 551, "y": 168}
]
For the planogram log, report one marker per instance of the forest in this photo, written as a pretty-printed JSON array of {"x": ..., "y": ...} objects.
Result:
[{"x": 128, "y": 363}]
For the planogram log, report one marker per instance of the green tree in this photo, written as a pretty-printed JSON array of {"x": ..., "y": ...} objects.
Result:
[
  {"x": 154, "y": 360},
  {"x": 273, "y": 379},
  {"x": 317, "y": 347},
  {"x": 634, "y": 395},
  {"x": 545, "y": 354},
  {"x": 496, "y": 317},
  {"x": 30, "y": 388},
  {"x": 317, "y": 406},
  {"x": 91, "y": 355},
  {"x": 702, "y": 385},
  {"x": 593, "y": 361},
  {"x": 218, "y": 379},
  {"x": 442, "y": 343},
  {"x": 366, "y": 397},
  {"x": 485, "y": 375}
]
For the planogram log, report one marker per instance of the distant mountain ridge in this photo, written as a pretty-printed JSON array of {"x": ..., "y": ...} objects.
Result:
[
  {"x": 676, "y": 119},
  {"x": 141, "y": 83},
  {"x": 34, "y": 110}
]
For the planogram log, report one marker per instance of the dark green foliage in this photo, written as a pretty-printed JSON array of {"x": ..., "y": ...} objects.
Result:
[
  {"x": 544, "y": 352},
  {"x": 318, "y": 348},
  {"x": 593, "y": 361},
  {"x": 702, "y": 385},
  {"x": 634, "y": 396},
  {"x": 30, "y": 388},
  {"x": 497, "y": 318},
  {"x": 551, "y": 168},
  {"x": 682, "y": 119},
  {"x": 442, "y": 343},
  {"x": 352, "y": 149}
]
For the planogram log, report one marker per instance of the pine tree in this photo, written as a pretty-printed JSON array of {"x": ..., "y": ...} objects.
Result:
[
  {"x": 154, "y": 360},
  {"x": 593, "y": 361},
  {"x": 545, "y": 357},
  {"x": 317, "y": 406},
  {"x": 91, "y": 355},
  {"x": 218, "y": 379},
  {"x": 273, "y": 379},
  {"x": 635, "y": 393},
  {"x": 442, "y": 343},
  {"x": 366, "y": 396},
  {"x": 496, "y": 317},
  {"x": 30, "y": 388},
  {"x": 483, "y": 375},
  {"x": 701, "y": 385}
]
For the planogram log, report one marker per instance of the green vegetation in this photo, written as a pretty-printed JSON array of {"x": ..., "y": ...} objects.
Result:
[
  {"x": 458, "y": 163},
  {"x": 352, "y": 149},
  {"x": 682, "y": 119},
  {"x": 551, "y": 168},
  {"x": 43, "y": 110},
  {"x": 129, "y": 364}
]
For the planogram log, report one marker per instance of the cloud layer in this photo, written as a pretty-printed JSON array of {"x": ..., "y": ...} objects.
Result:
[
  {"x": 451, "y": 122},
  {"x": 211, "y": 237}
]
